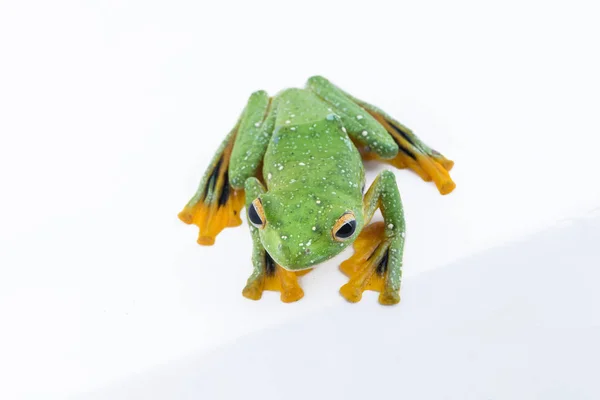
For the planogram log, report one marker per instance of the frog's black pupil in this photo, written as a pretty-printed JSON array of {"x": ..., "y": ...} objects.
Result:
[
  {"x": 346, "y": 230},
  {"x": 253, "y": 215}
]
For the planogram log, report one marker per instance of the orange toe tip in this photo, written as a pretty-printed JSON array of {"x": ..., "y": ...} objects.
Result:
[
  {"x": 389, "y": 299},
  {"x": 252, "y": 293},
  {"x": 234, "y": 222},
  {"x": 446, "y": 187},
  {"x": 348, "y": 267},
  {"x": 351, "y": 293},
  {"x": 206, "y": 240},
  {"x": 185, "y": 217},
  {"x": 448, "y": 164},
  {"x": 292, "y": 295}
]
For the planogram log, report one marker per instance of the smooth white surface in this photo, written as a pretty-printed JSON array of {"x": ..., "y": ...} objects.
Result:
[
  {"x": 110, "y": 111},
  {"x": 517, "y": 322}
]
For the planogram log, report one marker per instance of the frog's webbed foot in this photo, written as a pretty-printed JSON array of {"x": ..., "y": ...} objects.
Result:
[
  {"x": 217, "y": 204},
  {"x": 377, "y": 260},
  {"x": 220, "y": 195},
  {"x": 368, "y": 267},
  {"x": 414, "y": 154},
  {"x": 275, "y": 278}
]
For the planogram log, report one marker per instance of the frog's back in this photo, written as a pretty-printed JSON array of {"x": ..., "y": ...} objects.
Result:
[
  {"x": 310, "y": 150},
  {"x": 299, "y": 106}
]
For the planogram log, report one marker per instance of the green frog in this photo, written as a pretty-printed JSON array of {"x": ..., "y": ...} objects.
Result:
[{"x": 295, "y": 162}]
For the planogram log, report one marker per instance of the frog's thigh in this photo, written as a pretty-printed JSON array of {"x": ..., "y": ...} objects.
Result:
[
  {"x": 377, "y": 260},
  {"x": 359, "y": 124},
  {"x": 267, "y": 274}
]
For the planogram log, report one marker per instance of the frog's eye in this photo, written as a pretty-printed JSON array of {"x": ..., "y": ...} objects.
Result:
[
  {"x": 256, "y": 214},
  {"x": 344, "y": 227}
]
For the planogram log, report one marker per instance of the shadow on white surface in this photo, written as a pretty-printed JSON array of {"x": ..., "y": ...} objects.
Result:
[{"x": 518, "y": 322}]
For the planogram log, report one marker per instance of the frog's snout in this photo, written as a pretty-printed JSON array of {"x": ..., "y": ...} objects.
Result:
[{"x": 291, "y": 257}]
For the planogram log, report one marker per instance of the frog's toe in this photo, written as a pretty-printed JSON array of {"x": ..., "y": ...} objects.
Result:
[
  {"x": 276, "y": 279},
  {"x": 253, "y": 290},
  {"x": 351, "y": 292},
  {"x": 292, "y": 294},
  {"x": 367, "y": 268},
  {"x": 285, "y": 282},
  {"x": 212, "y": 217},
  {"x": 389, "y": 297}
]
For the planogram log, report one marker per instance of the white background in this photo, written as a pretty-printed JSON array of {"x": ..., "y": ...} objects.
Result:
[{"x": 110, "y": 111}]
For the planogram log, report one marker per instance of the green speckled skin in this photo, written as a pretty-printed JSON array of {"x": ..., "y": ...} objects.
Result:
[
  {"x": 305, "y": 141},
  {"x": 313, "y": 174}
]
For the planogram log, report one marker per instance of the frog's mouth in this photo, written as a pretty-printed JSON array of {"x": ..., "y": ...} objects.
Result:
[{"x": 306, "y": 260}]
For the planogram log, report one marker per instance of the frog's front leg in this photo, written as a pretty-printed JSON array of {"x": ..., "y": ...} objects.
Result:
[
  {"x": 267, "y": 274},
  {"x": 377, "y": 261}
]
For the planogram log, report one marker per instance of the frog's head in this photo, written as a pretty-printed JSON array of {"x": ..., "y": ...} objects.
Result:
[{"x": 301, "y": 231}]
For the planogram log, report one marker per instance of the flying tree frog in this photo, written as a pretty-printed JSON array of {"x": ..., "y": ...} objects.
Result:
[{"x": 295, "y": 161}]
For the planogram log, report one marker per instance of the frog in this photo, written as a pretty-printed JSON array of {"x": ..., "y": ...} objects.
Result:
[{"x": 295, "y": 162}]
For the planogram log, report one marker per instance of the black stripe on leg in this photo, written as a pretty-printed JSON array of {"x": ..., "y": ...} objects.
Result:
[
  {"x": 383, "y": 264},
  {"x": 270, "y": 265},
  {"x": 406, "y": 151},
  {"x": 401, "y": 148},
  {"x": 211, "y": 182},
  {"x": 400, "y": 132},
  {"x": 225, "y": 191}
]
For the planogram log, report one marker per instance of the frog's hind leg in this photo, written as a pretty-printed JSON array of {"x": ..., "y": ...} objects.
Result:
[
  {"x": 412, "y": 152},
  {"x": 377, "y": 260},
  {"x": 359, "y": 125},
  {"x": 267, "y": 274},
  {"x": 216, "y": 205},
  {"x": 428, "y": 163},
  {"x": 220, "y": 195}
]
